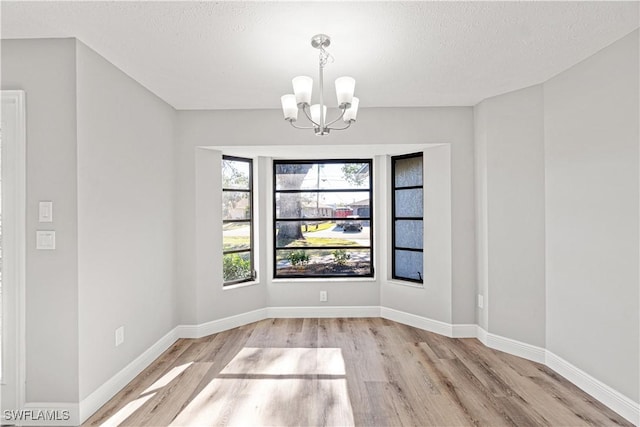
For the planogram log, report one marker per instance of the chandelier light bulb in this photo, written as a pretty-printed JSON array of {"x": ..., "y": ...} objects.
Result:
[
  {"x": 344, "y": 91},
  {"x": 352, "y": 112},
  {"x": 302, "y": 87},
  {"x": 289, "y": 107},
  {"x": 315, "y": 112}
]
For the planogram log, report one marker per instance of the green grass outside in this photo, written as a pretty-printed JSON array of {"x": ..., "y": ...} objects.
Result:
[
  {"x": 235, "y": 242},
  {"x": 321, "y": 241},
  {"x": 316, "y": 241},
  {"x": 321, "y": 227}
]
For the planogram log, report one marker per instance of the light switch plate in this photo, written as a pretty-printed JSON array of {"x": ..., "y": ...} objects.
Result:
[
  {"x": 45, "y": 212},
  {"x": 119, "y": 336},
  {"x": 46, "y": 240}
]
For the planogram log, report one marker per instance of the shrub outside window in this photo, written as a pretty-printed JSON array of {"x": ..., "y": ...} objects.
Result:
[
  {"x": 323, "y": 225},
  {"x": 237, "y": 220}
]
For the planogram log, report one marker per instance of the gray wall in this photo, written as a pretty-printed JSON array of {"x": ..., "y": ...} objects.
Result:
[
  {"x": 510, "y": 198},
  {"x": 100, "y": 147},
  {"x": 557, "y": 202},
  {"x": 266, "y": 127},
  {"x": 46, "y": 71},
  {"x": 435, "y": 298},
  {"x": 125, "y": 218},
  {"x": 591, "y": 157}
]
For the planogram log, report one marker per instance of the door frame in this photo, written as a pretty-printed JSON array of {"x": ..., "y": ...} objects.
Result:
[{"x": 14, "y": 236}]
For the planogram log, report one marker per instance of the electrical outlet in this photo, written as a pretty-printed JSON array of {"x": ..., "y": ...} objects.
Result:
[
  {"x": 119, "y": 335},
  {"x": 323, "y": 296},
  {"x": 480, "y": 301}
]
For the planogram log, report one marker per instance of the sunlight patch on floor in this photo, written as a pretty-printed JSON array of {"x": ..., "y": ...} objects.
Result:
[
  {"x": 167, "y": 378},
  {"x": 275, "y": 386},
  {"x": 126, "y": 411}
]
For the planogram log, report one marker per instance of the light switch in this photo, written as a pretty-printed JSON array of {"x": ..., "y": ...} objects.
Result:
[
  {"x": 45, "y": 212},
  {"x": 45, "y": 240},
  {"x": 119, "y": 335}
]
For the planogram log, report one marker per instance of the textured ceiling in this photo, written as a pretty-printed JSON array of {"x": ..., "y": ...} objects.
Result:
[{"x": 219, "y": 55}]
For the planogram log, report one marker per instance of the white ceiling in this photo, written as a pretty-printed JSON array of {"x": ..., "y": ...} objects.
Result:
[{"x": 220, "y": 55}]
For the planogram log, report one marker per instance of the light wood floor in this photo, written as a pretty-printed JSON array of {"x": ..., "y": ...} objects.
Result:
[{"x": 365, "y": 372}]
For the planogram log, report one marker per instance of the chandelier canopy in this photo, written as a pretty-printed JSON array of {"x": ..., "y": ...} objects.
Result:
[{"x": 317, "y": 113}]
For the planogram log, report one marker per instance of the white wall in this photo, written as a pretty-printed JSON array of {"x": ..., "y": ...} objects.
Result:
[
  {"x": 510, "y": 198},
  {"x": 375, "y": 126},
  {"x": 591, "y": 158},
  {"x": 45, "y": 70},
  {"x": 125, "y": 218}
]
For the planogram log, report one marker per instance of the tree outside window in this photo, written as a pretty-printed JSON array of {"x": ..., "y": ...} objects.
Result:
[{"x": 322, "y": 218}]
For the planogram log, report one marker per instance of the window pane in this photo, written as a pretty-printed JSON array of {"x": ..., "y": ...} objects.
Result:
[
  {"x": 311, "y": 176},
  {"x": 235, "y": 174},
  {"x": 329, "y": 201},
  {"x": 323, "y": 262},
  {"x": 409, "y": 203},
  {"x": 322, "y": 233},
  {"x": 236, "y": 266},
  {"x": 323, "y": 205},
  {"x": 409, "y": 234},
  {"x": 237, "y": 224},
  {"x": 408, "y": 265},
  {"x": 236, "y": 235},
  {"x": 408, "y": 172},
  {"x": 235, "y": 205}
]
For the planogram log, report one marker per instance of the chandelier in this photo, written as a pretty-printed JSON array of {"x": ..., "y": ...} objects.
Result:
[{"x": 317, "y": 113}]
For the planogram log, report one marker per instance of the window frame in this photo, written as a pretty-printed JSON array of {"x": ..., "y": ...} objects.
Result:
[
  {"x": 275, "y": 249},
  {"x": 395, "y": 218},
  {"x": 251, "y": 249}
]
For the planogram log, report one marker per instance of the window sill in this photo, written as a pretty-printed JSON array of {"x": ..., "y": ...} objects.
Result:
[
  {"x": 288, "y": 280},
  {"x": 403, "y": 283},
  {"x": 241, "y": 285}
]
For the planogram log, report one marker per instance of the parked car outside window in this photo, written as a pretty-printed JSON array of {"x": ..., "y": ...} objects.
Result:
[{"x": 352, "y": 223}]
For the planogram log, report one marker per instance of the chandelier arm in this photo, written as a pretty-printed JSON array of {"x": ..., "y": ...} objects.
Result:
[
  {"x": 300, "y": 127},
  {"x": 346, "y": 127},
  {"x": 344, "y": 110},
  {"x": 306, "y": 113}
]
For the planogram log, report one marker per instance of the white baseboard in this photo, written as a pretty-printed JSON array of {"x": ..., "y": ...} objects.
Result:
[
  {"x": 106, "y": 391},
  {"x": 481, "y": 335},
  {"x": 224, "y": 324},
  {"x": 608, "y": 396},
  {"x": 328, "y": 312},
  {"x": 464, "y": 331},
  {"x": 416, "y": 321},
  {"x": 508, "y": 345},
  {"x": 602, "y": 392}
]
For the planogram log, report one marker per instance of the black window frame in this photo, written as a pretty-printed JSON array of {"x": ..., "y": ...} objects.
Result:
[
  {"x": 395, "y": 218},
  {"x": 370, "y": 248},
  {"x": 250, "y": 221}
]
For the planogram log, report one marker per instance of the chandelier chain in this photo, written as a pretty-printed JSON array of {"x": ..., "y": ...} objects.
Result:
[{"x": 325, "y": 57}]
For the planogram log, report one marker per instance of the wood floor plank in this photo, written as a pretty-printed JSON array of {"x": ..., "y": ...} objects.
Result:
[
  {"x": 112, "y": 411},
  {"x": 343, "y": 372}
]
